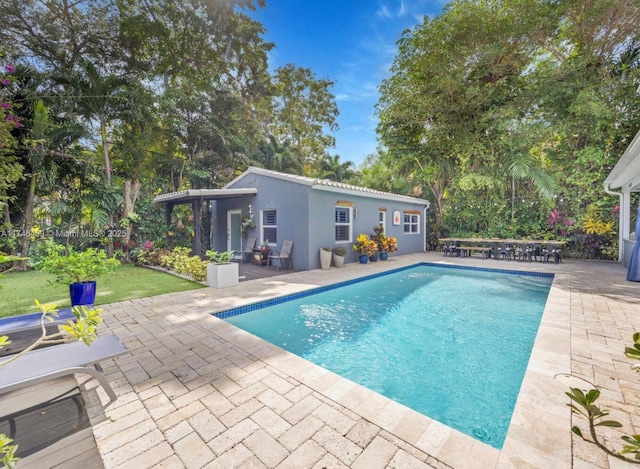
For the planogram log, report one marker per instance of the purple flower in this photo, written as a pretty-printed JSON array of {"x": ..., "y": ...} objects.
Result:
[
  {"x": 10, "y": 68},
  {"x": 5, "y": 82},
  {"x": 10, "y": 117},
  {"x": 5, "y": 105}
]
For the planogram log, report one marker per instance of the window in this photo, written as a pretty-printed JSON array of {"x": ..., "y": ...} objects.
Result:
[
  {"x": 269, "y": 226},
  {"x": 343, "y": 224},
  {"x": 382, "y": 220},
  {"x": 411, "y": 223}
]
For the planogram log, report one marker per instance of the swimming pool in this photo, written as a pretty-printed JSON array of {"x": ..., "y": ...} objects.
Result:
[{"x": 452, "y": 343}]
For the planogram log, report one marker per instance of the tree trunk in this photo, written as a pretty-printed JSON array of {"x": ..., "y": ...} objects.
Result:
[
  {"x": 28, "y": 223},
  {"x": 130, "y": 194},
  {"x": 107, "y": 170}
]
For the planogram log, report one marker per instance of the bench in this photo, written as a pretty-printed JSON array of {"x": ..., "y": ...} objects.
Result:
[
  {"x": 485, "y": 250},
  {"x": 61, "y": 360}
]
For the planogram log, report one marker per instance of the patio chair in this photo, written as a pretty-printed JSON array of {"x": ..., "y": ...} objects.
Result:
[
  {"x": 506, "y": 251},
  {"x": 49, "y": 363},
  {"x": 529, "y": 252},
  {"x": 451, "y": 249},
  {"x": 284, "y": 255},
  {"x": 551, "y": 250},
  {"x": 248, "y": 249}
]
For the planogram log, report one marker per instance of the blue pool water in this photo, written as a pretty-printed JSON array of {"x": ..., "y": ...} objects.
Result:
[{"x": 450, "y": 343}]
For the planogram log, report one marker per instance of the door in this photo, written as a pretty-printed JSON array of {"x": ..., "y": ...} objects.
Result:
[{"x": 234, "y": 231}]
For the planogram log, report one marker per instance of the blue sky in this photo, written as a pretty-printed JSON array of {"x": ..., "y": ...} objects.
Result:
[{"x": 351, "y": 42}]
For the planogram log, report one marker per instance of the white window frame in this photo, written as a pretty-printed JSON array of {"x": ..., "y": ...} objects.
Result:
[
  {"x": 262, "y": 226},
  {"x": 414, "y": 220},
  {"x": 349, "y": 224},
  {"x": 382, "y": 220}
]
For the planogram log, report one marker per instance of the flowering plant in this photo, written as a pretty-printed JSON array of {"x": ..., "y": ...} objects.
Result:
[
  {"x": 388, "y": 244},
  {"x": 364, "y": 245},
  {"x": 384, "y": 243}
]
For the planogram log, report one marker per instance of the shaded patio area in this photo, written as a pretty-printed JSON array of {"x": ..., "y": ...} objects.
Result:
[
  {"x": 249, "y": 271},
  {"x": 195, "y": 391}
]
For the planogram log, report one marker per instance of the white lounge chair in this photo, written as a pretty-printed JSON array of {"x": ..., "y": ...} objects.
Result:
[{"x": 61, "y": 360}]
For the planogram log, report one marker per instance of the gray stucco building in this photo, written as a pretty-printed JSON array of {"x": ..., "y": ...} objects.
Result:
[{"x": 311, "y": 212}]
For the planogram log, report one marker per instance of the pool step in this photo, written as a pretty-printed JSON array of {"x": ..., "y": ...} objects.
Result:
[{"x": 530, "y": 283}]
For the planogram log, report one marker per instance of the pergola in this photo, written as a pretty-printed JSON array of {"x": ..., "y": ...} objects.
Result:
[
  {"x": 625, "y": 178},
  {"x": 196, "y": 197}
]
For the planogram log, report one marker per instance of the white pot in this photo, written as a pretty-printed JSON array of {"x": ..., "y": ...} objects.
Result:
[
  {"x": 338, "y": 261},
  {"x": 223, "y": 275},
  {"x": 325, "y": 259}
]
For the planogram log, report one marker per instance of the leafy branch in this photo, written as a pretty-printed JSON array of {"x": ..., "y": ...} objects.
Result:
[{"x": 584, "y": 404}]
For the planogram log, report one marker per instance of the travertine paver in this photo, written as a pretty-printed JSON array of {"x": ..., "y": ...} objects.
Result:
[{"x": 197, "y": 392}]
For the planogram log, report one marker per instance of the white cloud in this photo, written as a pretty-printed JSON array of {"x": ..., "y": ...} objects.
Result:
[{"x": 383, "y": 12}]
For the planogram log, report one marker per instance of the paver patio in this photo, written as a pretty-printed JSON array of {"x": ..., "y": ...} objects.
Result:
[{"x": 197, "y": 392}]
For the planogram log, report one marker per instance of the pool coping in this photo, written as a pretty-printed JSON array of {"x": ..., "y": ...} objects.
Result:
[{"x": 537, "y": 435}]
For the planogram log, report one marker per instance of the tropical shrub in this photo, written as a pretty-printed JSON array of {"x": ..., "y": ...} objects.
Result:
[
  {"x": 76, "y": 266},
  {"x": 223, "y": 257},
  {"x": 197, "y": 268},
  {"x": 364, "y": 245}
]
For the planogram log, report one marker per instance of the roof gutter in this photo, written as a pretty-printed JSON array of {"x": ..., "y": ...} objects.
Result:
[{"x": 424, "y": 229}]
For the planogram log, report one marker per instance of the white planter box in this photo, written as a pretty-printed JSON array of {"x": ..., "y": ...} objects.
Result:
[{"x": 223, "y": 275}]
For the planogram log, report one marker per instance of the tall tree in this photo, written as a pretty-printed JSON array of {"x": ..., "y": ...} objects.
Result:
[
  {"x": 494, "y": 100},
  {"x": 55, "y": 35},
  {"x": 11, "y": 171},
  {"x": 305, "y": 112}
]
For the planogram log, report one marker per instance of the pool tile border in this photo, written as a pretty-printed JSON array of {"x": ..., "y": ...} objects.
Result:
[{"x": 295, "y": 296}]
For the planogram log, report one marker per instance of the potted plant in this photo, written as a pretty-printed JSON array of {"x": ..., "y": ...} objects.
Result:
[
  {"x": 325, "y": 258},
  {"x": 79, "y": 269},
  {"x": 365, "y": 248},
  {"x": 221, "y": 272},
  {"x": 387, "y": 245},
  {"x": 338, "y": 255},
  {"x": 247, "y": 223}
]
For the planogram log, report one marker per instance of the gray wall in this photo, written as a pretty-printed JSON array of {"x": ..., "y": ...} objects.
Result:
[
  {"x": 291, "y": 201},
  {"x": 322, "y": 223}
]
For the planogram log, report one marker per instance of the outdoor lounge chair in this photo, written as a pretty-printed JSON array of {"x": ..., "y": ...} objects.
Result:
[
  {"x": 61, "y": 360},
  {"x": 248, "y": 249},
  {"x": 284, "y": 256}
]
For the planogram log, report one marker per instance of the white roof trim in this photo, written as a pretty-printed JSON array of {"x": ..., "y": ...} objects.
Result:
[
  {"x": 328, "y": 185},
  {"x": 626, "y": 173},
  {"x": 372, "y": 194},
  {"x": 191, "y": 194}
]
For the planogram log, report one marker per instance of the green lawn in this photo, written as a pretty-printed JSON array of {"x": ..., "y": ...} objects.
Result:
[{"x": 19, "y": 289}]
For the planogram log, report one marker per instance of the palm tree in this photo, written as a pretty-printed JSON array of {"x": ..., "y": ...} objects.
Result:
[
  {"x": 98, "y": 98},
  {"x": 46, "y": 137},
  {"x": 102, "y": 99},
  {"x": 330, "y": 167}
]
